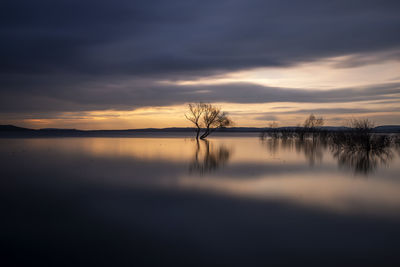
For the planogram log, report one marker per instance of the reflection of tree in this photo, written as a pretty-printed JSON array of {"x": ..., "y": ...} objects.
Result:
[
  {"x": 360, "y": 150},
  {"x": 362, "y": 161},
  {"x": 312, "y": 149},
  {"x": 208, "y": 158},
  {"x": 272, "y": 145},
  {"x": 396, "y": 141},
  {"x": 357, "y": 150}
]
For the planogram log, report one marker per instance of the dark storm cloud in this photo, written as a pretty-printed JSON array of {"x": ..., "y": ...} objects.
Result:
[
  {"x": 155, "y": 36},
  {"x": 72, "y": 55}
]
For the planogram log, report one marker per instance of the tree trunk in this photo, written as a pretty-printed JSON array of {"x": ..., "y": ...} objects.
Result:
[
  {"x": 198, "y": 133},
  {"x": 205, "y": 134}
]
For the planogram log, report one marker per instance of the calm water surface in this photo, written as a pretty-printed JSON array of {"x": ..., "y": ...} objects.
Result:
[{"x": 235, "y": 201}]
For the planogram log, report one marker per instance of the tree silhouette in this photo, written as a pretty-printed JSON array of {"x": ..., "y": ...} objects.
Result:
[
  {"x": 313, "y": 122},
  {"x": 207, "y": 116},
  {"x": 194, "y": 115}
]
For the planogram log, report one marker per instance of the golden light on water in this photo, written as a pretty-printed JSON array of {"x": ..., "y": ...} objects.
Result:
[
  {"x": 337, "y": 194},
  {"x": 266, "y": 172}
]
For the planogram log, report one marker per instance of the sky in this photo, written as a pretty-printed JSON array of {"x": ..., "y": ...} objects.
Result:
[{"x": 126, "y": 64}]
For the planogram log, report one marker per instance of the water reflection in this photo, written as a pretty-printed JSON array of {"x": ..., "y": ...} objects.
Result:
[
  {"x": 362, "y": 152},
  {"x": 98, "y": 200},
  {"x": 313, "y": 150},
  {"x": 360, "y": 159},
  {"x": 208, "y": 157},
  {"x": 396, "y": 141}
]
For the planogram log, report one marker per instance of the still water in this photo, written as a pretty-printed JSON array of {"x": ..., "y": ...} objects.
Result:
[{"x": 235, "y": 201}]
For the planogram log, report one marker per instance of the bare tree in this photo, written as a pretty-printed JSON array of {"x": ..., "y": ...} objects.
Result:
[
  {"x": 361, "y": 125},
  {"x": 194, "y": 115},
  {"x": 208, "y": 117},
  {"x": 214, "y": 118},
  {"x": 313, "y": 122},
  {"x": 361, "y": 133},
  {"x": 312, "y": 125},
  {"x": 273, "y": 124}
]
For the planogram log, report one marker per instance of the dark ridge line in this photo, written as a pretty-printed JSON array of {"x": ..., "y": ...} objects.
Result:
[{"x": 15, "y": 131}]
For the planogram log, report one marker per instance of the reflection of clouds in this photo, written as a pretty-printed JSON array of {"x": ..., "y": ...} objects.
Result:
[
  {"x": 328, "y": 192},
  {"x": 208, "y": 157},
  {"x": 168, "y": 149}
]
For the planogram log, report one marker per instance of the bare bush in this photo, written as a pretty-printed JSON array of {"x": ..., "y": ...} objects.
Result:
[{"x": 313, "y": 122}]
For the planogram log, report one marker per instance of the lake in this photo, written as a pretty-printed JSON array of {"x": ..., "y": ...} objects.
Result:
[{"x": 167, "y": 201}]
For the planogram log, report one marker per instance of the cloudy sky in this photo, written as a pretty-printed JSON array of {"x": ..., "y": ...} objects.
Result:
[{"x": 120, "y": 64}]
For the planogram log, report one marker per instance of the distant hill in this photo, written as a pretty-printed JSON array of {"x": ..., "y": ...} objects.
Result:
[
  {"x": 13, "y": 128},
  {"x": 387, "y": 129},
  {"x": 57, "y": 129},
  {"x": 15, "y": 131}
]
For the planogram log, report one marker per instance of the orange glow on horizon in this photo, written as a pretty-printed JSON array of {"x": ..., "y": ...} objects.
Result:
[{"x": 243, "y": 115}]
